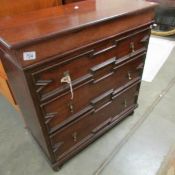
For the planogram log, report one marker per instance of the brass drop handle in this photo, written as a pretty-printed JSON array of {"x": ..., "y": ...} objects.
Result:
[
  {"x": 71, "y": 107},
  {"x": 129, "y": 75},
  {"x": 67, "y": 79},
  {"x": 132, "y": 46},
  {"x": 125, "y": 103},
  {"x": 74, "y": 136}
]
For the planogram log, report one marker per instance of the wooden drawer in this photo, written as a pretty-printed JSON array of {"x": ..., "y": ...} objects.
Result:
[
  {"x": 46, "y": 80},
  {"x": 61, "y": 110},
  {"x": 82, "y": 39},
  {"x": 105, "y": 111}
]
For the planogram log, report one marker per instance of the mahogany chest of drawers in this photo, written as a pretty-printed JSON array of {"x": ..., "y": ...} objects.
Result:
[{"x": 75, "y": 71}]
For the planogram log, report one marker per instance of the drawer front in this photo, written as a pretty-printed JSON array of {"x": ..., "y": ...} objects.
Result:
[
  {"x": 47, "y": 82},
  {"x": 71, "y": 42},
  {"x": 106, "y": 110},
  {"x": 62, "y": 110}
]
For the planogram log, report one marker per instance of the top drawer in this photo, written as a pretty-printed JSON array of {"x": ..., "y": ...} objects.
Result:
[{"x": 47, "y": 80}]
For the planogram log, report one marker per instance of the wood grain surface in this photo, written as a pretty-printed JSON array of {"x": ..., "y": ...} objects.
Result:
[{"x": 58, "y": 20}]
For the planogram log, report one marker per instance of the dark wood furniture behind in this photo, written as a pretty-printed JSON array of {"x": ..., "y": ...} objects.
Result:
[
  {"x": 75, "y": 70},
  {"x": 71, "y": 1},
  {"x": 10, "y": 8}
]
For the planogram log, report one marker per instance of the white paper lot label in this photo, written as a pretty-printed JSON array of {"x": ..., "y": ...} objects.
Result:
[{"x": 29, "y": 56}]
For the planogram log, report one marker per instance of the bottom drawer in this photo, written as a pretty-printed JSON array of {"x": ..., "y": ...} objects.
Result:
[{"x": 104, "y": 112}]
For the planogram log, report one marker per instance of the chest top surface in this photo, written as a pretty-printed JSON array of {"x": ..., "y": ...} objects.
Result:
[{"x": 47, "y": 23}]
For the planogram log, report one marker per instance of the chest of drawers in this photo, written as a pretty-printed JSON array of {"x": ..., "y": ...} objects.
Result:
[{"x": 76, "y": 72}]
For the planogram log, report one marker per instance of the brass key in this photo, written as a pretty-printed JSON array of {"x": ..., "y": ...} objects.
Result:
[{"x": 67, "y": 79}]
